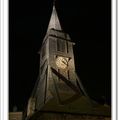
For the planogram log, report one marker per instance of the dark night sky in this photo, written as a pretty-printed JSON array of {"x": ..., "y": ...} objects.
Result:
[{"x": 88, "y": 23}]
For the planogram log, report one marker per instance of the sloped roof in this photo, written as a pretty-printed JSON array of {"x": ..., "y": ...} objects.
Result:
[{"x": 80, "y": 106}]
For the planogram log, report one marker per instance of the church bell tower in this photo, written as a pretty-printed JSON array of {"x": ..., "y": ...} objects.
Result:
[
  {"x": 58, "y": 88},
  {"x": 57, "y": 81},
  {"x": 57, "y": 68}
]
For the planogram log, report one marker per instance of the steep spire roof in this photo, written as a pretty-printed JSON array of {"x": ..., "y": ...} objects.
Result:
[{"x": 54, "y": 21}]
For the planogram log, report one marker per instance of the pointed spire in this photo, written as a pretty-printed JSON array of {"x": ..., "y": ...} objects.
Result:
[{"x": 54, "y": 21}]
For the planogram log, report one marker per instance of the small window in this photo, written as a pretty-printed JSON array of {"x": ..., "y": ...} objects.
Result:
[{"x": 61, "y": 45}]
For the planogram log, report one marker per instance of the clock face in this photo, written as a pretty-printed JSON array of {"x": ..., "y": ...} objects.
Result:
[{"x": 61, "y": 62}]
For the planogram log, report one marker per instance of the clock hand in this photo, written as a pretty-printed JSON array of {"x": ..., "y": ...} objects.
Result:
[{"x": 64, "y": 62}]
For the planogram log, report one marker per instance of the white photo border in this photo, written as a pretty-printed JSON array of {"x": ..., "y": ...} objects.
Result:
[
  {"x": 114, "y": 60},
  {"x": 4, "y": 59},
  {"x": 118, "y": 57}
]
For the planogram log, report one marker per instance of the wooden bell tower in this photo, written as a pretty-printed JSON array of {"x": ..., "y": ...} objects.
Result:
[
  {"x": 57, "y": 68},
  {"x": 57, "y": 78},
  {"x": 58, "y": 88}
]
